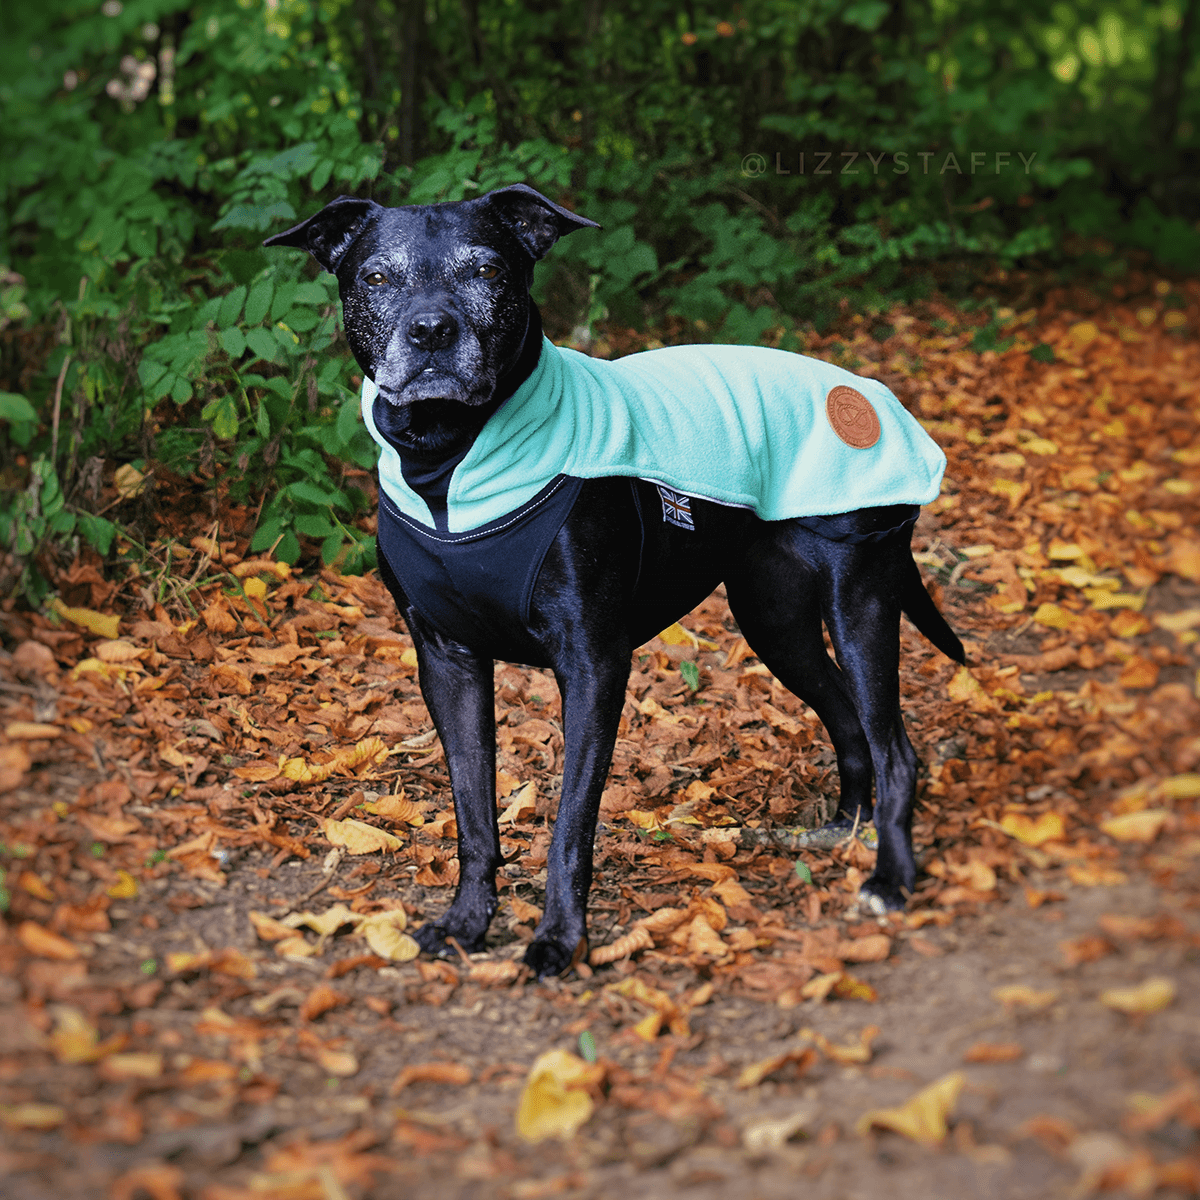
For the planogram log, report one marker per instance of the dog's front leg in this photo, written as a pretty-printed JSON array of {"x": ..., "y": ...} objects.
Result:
[
  {"x": 457, "y": 686},
  {"x": 593, "y": 692}
]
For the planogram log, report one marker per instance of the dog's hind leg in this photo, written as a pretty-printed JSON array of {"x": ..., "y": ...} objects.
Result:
[
  {"x": 774, "y": 594},
  {"x": 861, "y": 607}
]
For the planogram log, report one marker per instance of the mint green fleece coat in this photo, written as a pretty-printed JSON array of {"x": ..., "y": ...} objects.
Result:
[{"x": 740, "y": 425}]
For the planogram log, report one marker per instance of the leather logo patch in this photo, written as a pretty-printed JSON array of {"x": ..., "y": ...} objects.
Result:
[{"x": 852, "y": 417}]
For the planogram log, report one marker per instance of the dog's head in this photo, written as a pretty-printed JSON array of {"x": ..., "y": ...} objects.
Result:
[{"x": 435, "y": 298}]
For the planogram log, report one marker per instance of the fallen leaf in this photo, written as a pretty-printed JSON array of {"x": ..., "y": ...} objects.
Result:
[
  {"x": 993, "y": 1052},
  {"x": 1150, "y": 996},
  {"x": 1142, "y": 826},
  {"x": 358, "y": 837},
  {"x": 753, "y": 1074},
  {"x": 45, "y": 944},
  {"x": 1031, "y": 831},
  {"x": 923, "y": 1118},
  {"x": 1021, "y": 995},
  {"x": 87, "y": 618},
  {"x": 555, "y": 1100},
  {"x": 455, "y": 1074},
  {"x": 384, "y": 932},
  {"x": 320, "y": 1000},
  {"x": 638, "y": 938},
  {"x": 32, "y": 1116}
]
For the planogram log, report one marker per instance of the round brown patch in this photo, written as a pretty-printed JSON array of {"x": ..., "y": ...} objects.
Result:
[{"x": 852, "y": 417}]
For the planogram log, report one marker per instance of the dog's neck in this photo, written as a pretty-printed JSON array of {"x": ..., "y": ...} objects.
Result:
[{"x": 431, "y": 452}]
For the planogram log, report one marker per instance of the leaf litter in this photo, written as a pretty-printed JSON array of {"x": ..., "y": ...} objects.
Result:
[{"x": 212, "y": 813}]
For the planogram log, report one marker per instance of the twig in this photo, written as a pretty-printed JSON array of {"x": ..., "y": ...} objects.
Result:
[{"x": 58, "y": 391}]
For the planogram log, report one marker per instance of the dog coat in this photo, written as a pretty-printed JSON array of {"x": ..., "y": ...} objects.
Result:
[{"x": 779, "y": 433}]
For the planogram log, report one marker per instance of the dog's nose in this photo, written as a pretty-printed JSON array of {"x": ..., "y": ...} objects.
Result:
[{"x": 432, "y": 330}]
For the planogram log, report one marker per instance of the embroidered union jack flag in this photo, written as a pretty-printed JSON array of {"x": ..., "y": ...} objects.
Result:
[{"x": 677, "y": 508}]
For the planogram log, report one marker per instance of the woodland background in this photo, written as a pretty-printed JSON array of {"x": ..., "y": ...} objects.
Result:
[
  {"x": 148, "y": 147},
  {"x": 222, "y": 802}
]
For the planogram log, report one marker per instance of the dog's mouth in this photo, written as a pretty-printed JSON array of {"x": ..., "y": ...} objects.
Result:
[{"x": 433, "y": 385}]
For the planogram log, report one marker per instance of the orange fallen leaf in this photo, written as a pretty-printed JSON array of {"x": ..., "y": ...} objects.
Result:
[
  {"x": 320, "y": 1000},
  {"x": 121, "y": 1068},
  {"x": 638, "y": 938},
  {"x": 1093, "y": 874},
  {"x": 28, "y": 731},
  {"x": 1085, "y": 949},
  {"x": 45, "y": 944},
  {"x": 993, "y": 1052},
  {"x": 455, "y": 1074}
]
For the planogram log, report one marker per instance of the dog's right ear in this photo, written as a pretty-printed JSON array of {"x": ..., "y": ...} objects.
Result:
[{"x": 327, "y": 235}]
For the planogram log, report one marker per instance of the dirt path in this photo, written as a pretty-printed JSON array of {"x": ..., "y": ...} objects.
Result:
[{"x": 216, "y": 825}]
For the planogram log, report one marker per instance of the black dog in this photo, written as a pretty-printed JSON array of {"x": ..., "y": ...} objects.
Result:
[{"x": 437, "y": 311}]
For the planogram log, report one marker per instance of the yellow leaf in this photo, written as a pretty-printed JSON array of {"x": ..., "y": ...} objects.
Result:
[
  {"x": 1054, "y": 616},
  {"x": 1150, "y": 996},
  {"x": 1106, "y": 598},
  {"x": 397, "y": 808},
  {"x": 385, "y": 935},
  {"x": 269, "y": 929},
  {"x": 1040, "y": 446},
  {"x": 324, "y": 924},
  {"x": 676, "y": 635},
  {"x": 1095, "y": 875},
  {"x": 1059, "y": 549},
  {"x": 75, "y": 1039},
  {"x": 296, "y": 947},
  {"x": 32, "y": 1116},
  {"x": 643, "y": 820},
  {"x": 125, "y": 888},
  {"x": 965, "y": 689},
  {"x": 1048, "y": 827},
  {"x": 120, "y": 1068},
  {"x": 130, "y": 481},
  {"x": 88, "y": 619},
  {"x": 1083, "y": 333},
  {"x": 555, "y": 1102},
  {"x": 923, "y": 1117},
  {"x": 522, "y": 805},
  {"x": 1180, "y": 787},
  {"x": 1021, "y": 995},
  {"x": 255, "y": 588},
  {"x": 1142, "y": 826},
  {"x": 409, "y": 658},
  {"x": 1178, "y": 622},
  {"x": 337, "y": 1062},
  {"x": 358, "y": 837}
]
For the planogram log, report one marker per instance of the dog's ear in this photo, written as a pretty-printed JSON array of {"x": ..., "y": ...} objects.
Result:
[
  {"x": 327, "y": 235},
  {"x": 537, "y": 222}
]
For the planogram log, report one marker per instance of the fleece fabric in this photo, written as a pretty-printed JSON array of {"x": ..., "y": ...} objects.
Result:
[{"x": 744, "y": 426}]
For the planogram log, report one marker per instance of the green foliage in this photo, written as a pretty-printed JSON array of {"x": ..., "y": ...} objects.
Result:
[{"x": 754, "y": 170}]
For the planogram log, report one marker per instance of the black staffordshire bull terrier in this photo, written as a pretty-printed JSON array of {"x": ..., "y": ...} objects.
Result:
[{"x": 576, "y": 567}]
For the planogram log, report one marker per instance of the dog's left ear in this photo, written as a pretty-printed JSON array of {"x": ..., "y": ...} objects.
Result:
[
  {"x": 537, "y": 222},
  {"x": 327, "y": 235}
]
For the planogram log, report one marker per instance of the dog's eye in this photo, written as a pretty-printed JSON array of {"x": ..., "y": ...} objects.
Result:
[
  {"x": 487, "y": 271},
  {"x": 375, "y": 279}
]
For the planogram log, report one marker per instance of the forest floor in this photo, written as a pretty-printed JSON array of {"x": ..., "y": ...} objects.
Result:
[{"x": 222, "y": 804}]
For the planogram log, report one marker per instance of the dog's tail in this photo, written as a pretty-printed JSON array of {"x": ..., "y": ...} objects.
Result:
[{"x": 920, "y": 609}]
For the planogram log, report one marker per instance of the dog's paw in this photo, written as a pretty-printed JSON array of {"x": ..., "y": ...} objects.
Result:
[
  {"x": 878, "y": 899},
  {"x": 549, "y": 956}
]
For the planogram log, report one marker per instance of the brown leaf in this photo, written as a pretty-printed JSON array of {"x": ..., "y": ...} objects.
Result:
[
  {"x": 320, "y": 1000},
  {"x": 993, "y": 1052},
  {"x": 40, "y": 941},
  {"x": 455, "y": 1074}
]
